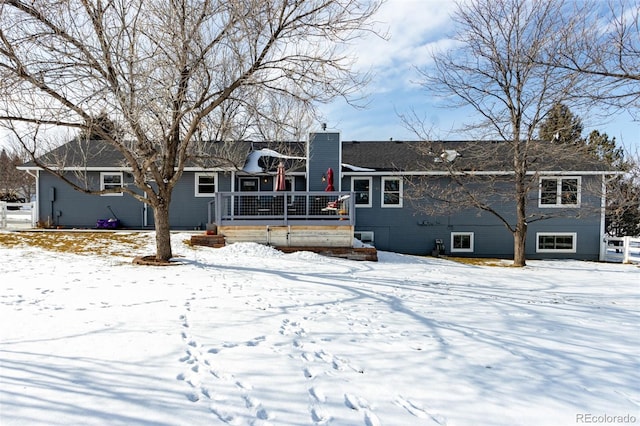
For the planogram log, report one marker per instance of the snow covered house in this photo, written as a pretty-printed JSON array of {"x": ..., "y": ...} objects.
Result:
[{"x": 330, "y": 190}]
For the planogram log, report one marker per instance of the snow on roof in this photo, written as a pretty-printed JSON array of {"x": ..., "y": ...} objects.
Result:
[
  {"x": 252, "y": 165},
  {"x": 356, "y": 168}
]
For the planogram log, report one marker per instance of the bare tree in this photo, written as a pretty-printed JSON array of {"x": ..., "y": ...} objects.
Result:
[
  {"x": 500, "y": 66},
  {"x": 169, "y": 73},
  {"x": 14, "y": 183},
  {"x": 604, "y": 47}
]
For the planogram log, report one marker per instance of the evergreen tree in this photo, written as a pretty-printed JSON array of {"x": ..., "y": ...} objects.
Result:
[
  {"x": 560, "y": 126},
  {"x": 606, "y": 150},
  {"x": 622, "y": 215}
]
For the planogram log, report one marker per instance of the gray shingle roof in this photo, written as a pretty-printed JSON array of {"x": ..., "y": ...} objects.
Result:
[
  {"x": 398, "y": 156},
  {"x": 414, "y": 156}
]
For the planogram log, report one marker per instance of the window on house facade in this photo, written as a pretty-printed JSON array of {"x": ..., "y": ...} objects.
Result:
[
  {"x": 558, "y": 242},
  {"x": 205, "y": 184},
  {"x": 461, "y": 242},
  {"x": 559, "y": 192},
  {"x": 110, "y": 180},
  {"x": 362, "y": 190},
  {"x": 391, "y": 192},
  {"x": 366, "y": 237}
]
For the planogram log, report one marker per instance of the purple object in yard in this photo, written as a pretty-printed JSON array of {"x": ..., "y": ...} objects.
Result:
[{"x": 107, "y": 224}]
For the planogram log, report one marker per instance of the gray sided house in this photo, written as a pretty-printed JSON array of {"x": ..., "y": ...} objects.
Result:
[{"x": 374, "y": 195}]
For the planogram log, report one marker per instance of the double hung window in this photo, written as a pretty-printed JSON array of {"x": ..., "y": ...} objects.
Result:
[
  {"x": 111, "y": 180},
  {"x": 362, "y": 189},
  {"x": 559, "y": 192},
  {"x": 205, "y": 184},
  {"x": 391, "y": 192}
]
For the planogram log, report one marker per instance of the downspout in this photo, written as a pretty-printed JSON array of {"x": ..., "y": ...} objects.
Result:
[
  {"x": 145, "y": 212},
  {"x": 35, "y": 213},
  {"x": 603, "y": 208}
]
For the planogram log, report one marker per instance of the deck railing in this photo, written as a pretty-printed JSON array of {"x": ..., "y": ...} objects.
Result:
[{"x": 282, "y": 208}]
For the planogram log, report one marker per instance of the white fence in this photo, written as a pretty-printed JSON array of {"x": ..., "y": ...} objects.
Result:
[
  {"x": 622, "y": 249},
  {"x": 17, "y": 215}
]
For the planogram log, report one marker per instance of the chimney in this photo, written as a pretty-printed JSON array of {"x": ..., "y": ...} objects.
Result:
[{"x": 324, "y": 151}]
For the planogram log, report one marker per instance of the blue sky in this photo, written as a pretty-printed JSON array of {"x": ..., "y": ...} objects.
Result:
[{"x": 415, "y": 27}]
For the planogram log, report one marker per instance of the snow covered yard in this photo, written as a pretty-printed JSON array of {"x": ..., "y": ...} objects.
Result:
[{"x": 246, "y": 335}]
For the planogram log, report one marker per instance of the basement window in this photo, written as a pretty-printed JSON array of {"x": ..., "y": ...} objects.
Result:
[
  {"x": 461, "y": 242},
  {"x": 558, "y": 242}
]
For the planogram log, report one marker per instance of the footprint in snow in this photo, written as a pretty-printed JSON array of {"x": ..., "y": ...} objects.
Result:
[
  {"x": 205, "y": 391},
  {"x": 371, "y": 419},
  {"x": 225, "y": 416},
  {"x": 309, "y": 373},
  {"x": 418, "y": 411},
  {"x": 319, "y": 415},
  {"x": 185, "y": 323},
  {"x": 355, "y": 402},
  {"x": 249, "y": 402},
  {"x": 263, "y": 414},
  {"x": 243, "y": 385},
  {"x": 256, "y": 341},
  {"x": 325, "y": 356},
  {"x": 317, "y": 394}
]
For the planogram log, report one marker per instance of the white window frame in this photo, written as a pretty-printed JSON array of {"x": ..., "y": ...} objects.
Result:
[
  {"x": 103, "y": 185},
  {"x": 196, "y": 180},
  {"x": 353, "y": 179},
  {"x": 573, "y": 235},
  {"x": 558, "y": 203},
  {"x": 400, "y": 193},
  {"x": 454, "y": 249}
]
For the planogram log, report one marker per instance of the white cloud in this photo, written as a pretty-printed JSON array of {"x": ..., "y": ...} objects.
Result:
[
  {"x": 413, "y": 28},
  {"x": 410, "y": 26}
]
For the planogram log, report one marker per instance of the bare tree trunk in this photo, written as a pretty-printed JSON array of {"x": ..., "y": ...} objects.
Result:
[
  {"x": 163, "y": 231},
  {"x": 519, "y": 242},
  {"x": 520, "y": 232}
]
